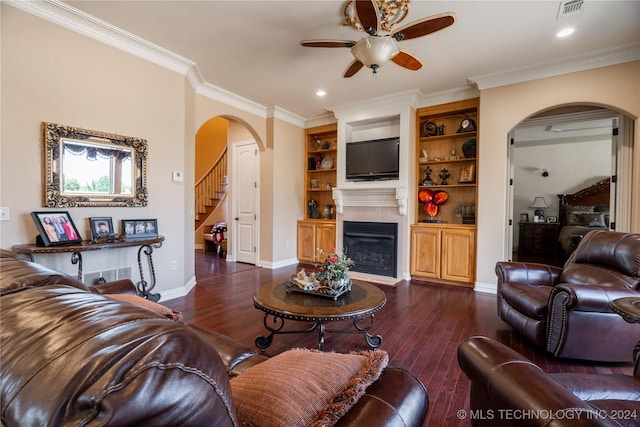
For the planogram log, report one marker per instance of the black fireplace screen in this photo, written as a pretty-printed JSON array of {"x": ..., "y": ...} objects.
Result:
[{"x": 372, "y": 246}]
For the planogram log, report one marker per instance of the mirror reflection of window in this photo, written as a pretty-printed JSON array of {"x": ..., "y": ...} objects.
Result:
[{"x": 94, "y": 168}]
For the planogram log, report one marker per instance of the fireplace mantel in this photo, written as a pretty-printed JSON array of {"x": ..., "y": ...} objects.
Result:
[{"x": 374, "y": 197}]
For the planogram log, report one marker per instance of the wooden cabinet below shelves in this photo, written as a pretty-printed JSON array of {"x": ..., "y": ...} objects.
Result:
[
  {"x": 443, "y": 253},
  {"x": 314, "y": 235}
]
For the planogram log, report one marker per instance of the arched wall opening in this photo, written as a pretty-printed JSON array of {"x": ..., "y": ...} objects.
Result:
[
  {"x": 561, "y": 150},
  {"x": 502, "y": 108},
  {"x": 212, "y": 138}
]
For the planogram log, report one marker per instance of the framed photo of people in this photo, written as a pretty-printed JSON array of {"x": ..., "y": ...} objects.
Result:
[
  {"x": 55, "y": 228},
  {"x": 140, "y": 228},
  {"x": 101, "y": 227}
]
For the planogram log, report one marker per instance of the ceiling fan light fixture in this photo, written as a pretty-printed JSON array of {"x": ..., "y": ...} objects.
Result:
[{"x": 375, "y": 51}]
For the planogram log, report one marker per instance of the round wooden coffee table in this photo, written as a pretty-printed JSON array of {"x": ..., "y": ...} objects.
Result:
[{"x": 362, "y": 301}]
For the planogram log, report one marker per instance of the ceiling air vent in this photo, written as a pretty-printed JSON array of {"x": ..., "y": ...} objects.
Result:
[{"x": 570, "y": 7}]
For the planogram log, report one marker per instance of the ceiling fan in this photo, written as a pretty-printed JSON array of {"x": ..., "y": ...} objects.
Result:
[{"x": 376, "y": 49}]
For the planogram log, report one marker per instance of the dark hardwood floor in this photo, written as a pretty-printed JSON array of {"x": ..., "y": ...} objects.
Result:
[{"x": 422, "y": 325}]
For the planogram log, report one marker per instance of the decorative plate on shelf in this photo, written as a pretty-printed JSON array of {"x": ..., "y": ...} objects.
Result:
[{"x": 327, "y": 163}]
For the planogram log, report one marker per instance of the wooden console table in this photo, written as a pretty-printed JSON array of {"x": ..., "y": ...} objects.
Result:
[{"x": 146, "y": 247}]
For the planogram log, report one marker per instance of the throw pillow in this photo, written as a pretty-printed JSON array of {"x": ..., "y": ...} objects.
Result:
[
  {"x": 594, "y": 220},
  {"x": 303, "y": 387},
  {"x": 149, "y": 305}
]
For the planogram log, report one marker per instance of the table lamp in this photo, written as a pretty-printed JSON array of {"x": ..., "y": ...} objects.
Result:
[{"x": 539, "y": 205}]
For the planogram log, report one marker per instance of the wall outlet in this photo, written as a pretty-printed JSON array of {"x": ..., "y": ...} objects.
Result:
[
  {"x": 4, "y": 214},
  {"x": 174, "y": 265}
]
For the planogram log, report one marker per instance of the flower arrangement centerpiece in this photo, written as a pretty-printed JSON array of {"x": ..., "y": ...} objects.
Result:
[
  {"x": 334, "y": 268},
  {"x": 330, "y": 278}
]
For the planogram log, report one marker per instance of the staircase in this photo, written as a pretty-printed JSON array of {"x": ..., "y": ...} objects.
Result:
[{"x": 211, "y": 189}]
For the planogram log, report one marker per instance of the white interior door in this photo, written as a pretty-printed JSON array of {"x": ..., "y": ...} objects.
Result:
[{"x": 246, "y": 190}]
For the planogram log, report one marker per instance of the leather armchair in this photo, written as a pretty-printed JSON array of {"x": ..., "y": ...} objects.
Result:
[
  {"x": 567, "y": 311},
  {"x": 509, "y": 390}
]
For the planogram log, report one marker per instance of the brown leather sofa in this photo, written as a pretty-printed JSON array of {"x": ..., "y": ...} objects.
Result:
[
  {"x": 70, "y": 356},
  {"x": 567, "y": 311},
  {"x": 509, "y": 390}
]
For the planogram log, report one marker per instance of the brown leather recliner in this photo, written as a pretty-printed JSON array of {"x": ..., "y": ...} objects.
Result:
[
  {"x": 70, "y": 356},
  {"x": 509, "y": 390},
  {"x": 567, "y": 311}
]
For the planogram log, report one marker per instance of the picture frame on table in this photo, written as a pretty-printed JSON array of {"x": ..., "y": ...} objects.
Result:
[
  {"x": 467, "y": 174},
  {"x": 552, "y": 219},
  {"x": 524, "y": 217},
  {"x": 55, "y": 228},
  {"x": 139, "y": 229},
  {"x": 101, "y": 227}
]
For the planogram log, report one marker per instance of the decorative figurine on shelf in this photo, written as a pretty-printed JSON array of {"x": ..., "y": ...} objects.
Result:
[
  {"x": 313, "y": 209},
  {"x": 441, "y": 130},
  {"x": 326, "y": 144},
  {"x": 444, "y": 174},
  {"x": 318, "y": 161},
  {"x": 326, "y": 212},
  {"x": 428, "y": 180}
]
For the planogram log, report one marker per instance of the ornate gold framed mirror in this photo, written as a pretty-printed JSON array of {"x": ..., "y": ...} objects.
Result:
[{"x": 91, "y": 168}]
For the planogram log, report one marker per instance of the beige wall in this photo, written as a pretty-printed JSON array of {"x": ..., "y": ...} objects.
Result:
[
  {"x": 211, "y": 139},
  {"x": 501, "y": 109},
  {"x": 53, "y": 74},
  {"x": 287, "y": 202}
]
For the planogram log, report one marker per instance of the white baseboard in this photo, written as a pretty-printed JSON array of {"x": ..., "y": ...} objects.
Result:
[
  {"x": 489, "y": 288},
  {"x": 178, "y": 292},
  {"x": 278, "y": 264}
]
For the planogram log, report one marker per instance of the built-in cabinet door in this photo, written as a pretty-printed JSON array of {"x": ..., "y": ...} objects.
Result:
[
  {"x": 458, "y": 254},
  {"x": 325, "y": 237},
  {"x": 306, "y": 241},
  {"x": 425, "y": 252},
  {"x": 313, "y": 235}
]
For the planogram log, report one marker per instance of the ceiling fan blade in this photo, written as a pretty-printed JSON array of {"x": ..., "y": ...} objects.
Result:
[
  {"x": 327, "y": 43},
  {"x": 407, "y": 60},
  {"x": 368, "y": 14},
  {"x": 424, "y": 26},
  {"x": 353, "y": 68}
]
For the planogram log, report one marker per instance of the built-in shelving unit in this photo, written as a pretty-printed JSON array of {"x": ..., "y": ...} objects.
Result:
[
  {"x": 443, "y": 245},
  {"x": 321, "y": 160}
]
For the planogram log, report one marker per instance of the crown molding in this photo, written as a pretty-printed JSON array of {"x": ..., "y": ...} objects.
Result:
[
  {"x": 76, "y": 20},
  {"x": 73, "y": 19},
  {"x": 603, "y": 58},
  {"x": 286, "y": 116},
  {"x": 443, "y": 97},
  {"x": 397, "y": 101},
  {"x": 323, "y": 119},
  {"x": 222, "y": 95}
]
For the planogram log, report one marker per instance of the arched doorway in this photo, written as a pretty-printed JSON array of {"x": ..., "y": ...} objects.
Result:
[
  {"x": 217, "y": 137},
  {"x": 560, "y": 151}
]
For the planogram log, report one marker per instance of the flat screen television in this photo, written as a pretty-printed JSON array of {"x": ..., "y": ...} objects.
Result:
[{"x": 373, "y": 160}]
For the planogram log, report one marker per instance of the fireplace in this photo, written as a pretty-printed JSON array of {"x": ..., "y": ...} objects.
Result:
[{"x": 373, "y": 246}]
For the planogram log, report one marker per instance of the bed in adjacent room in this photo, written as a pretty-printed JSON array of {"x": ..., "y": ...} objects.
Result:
[{"x": 583, "y": 211}]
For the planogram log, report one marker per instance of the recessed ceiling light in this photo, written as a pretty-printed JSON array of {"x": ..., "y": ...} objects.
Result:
[
  {"x": 321, "y": 93},
  {"x": 565, "y": 32}
]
